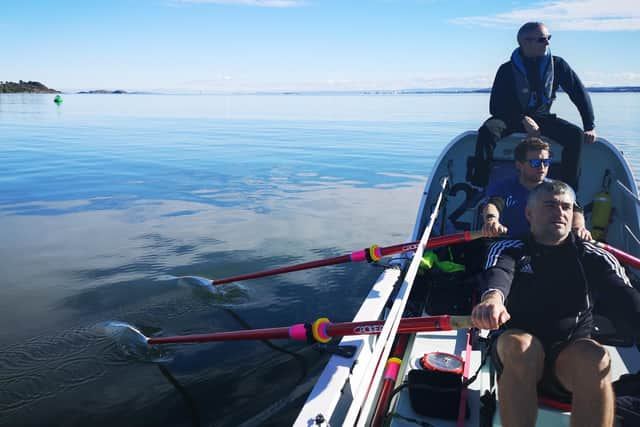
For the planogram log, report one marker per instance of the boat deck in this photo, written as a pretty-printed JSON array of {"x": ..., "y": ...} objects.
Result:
[
  {"x": 452, "y": 342},
  {"x": 623, "y": 360}
]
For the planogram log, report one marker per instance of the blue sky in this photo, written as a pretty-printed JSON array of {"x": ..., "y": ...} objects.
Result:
[{"x": 255, "y": 45}]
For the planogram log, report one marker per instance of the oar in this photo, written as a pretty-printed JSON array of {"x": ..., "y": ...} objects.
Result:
[
  {"x": 390, "y": 377},
  {"x": 322, "y": 330},
  {"x": 622, "y": 256},
  {"x": 374, "y": 253}
]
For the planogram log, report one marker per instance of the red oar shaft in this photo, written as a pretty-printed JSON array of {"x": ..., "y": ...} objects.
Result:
[
  {"x": 622, "y": 256},
  {"x": 408, "y": 325},
  {"x": 434, "y": 242},
  {"x": 252, "y": 334},
  {"x": 304, "y": 266},
  {"x": 322, "y": 330},
  {"x": 370, "y": 254},
  {"x": 390, "y": 377}
]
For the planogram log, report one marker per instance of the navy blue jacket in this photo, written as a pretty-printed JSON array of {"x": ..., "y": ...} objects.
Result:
[{"x": 504, "y": 103}]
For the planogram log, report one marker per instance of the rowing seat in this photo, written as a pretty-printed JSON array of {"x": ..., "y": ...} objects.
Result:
[
  {"x": 550, "y": 402},
  {"x": 552, "y": 409}
]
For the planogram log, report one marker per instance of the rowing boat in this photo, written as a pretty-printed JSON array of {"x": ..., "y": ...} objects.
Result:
[{"x": 350, "y": 389}]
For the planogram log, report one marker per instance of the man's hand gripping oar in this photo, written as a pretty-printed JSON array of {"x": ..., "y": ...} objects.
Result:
[{"x": 490, "y": 313}]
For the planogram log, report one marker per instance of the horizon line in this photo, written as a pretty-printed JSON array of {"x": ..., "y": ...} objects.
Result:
[{"x": 410, "y": 91}]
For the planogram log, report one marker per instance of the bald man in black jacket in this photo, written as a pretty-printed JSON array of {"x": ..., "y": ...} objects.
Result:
[{"x": 523, "y": 91}]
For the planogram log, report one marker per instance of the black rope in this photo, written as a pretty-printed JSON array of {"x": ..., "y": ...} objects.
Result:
[
  {"x": 302, "y": 362},
  {"x": 485, "y": 356},
  {"x": 188, "y": 400}
]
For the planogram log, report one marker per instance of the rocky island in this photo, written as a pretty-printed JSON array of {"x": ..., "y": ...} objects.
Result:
[
  {"x": 103, "y": 91},
  {"x": 25, "y": 87}
]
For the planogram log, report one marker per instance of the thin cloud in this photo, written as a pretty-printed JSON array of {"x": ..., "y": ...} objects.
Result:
[
  {"x": 261, "y": 3},
  {"x": 569, "y": 15}
]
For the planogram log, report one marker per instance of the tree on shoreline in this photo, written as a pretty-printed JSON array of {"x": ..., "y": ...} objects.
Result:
[{"x": 25, "y": 87}]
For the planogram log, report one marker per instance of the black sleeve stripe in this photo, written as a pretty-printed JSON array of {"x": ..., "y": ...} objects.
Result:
[
  {"x": 496, "y": 249},
  {"x": 609, "y": 259}
]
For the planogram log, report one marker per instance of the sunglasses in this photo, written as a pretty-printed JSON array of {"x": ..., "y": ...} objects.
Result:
[
  {"x": 542, "y": 39},
  {"x": 536, "y": 163}
]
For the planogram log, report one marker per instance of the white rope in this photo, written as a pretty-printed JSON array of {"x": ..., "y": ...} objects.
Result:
[{"x": 628, "y": 192}]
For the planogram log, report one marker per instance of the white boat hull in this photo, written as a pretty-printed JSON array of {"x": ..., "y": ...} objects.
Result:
[{"x": 332, "y": 397}]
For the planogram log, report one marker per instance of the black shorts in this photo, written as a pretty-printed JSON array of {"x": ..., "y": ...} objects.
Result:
[{"x": 549, "y": 385}]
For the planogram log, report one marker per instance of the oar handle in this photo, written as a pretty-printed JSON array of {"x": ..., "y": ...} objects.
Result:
[{"x": 460, "y": 322}]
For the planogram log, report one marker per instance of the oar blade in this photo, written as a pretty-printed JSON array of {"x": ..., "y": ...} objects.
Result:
[
  {"x": 132, "y": 343},
  {"x": 226, "y": 295}
]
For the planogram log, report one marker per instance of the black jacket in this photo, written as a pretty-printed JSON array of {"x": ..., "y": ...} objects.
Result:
[
  {"x": 504, "y": 103},
  {"x": 551, "y": 290}
]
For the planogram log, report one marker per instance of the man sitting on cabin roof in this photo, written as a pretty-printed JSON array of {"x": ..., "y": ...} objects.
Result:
[
  {"x": 523, "y": 91},
  {"x": 540, "y": 291},
  {"x": 504, "y": 211}
]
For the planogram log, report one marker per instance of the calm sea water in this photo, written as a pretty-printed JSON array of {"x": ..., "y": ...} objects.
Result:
[{"x": 107, "y": 200}]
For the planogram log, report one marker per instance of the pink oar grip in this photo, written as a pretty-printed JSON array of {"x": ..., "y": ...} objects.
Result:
[
  {"x": 393, "y": 367},
  {"x": 298, "y": 332},
  {"x": 358, "y": 256}
]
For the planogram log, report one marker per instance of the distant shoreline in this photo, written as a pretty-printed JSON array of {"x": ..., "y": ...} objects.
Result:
[
  {"x": 37, "y": 87},
  {"x": 103, "y": 92},
  {"x": 598, "y": 89}
]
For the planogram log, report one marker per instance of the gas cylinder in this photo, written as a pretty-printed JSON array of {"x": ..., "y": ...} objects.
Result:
[{"x": 602, "y": 206}]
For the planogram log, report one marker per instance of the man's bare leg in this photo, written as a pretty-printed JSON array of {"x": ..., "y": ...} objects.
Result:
[
  {"x": 583, "y": 368},
  {"x": 522, "y": 356}
]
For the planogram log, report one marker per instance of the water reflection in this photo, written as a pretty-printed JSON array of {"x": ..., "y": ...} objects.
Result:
[
  {"x": 128, "y": 264},
  {"x": 107, "y": 201}
]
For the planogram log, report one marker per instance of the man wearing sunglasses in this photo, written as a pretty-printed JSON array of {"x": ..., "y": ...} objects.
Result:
[
  {"x": 523, "y": 91},
  {"x": 504, "y": 211}
]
